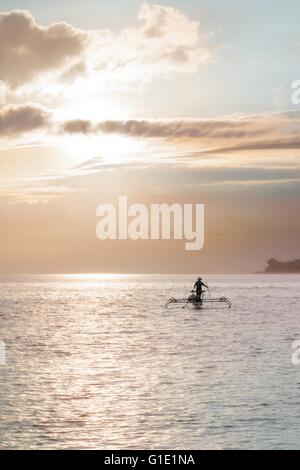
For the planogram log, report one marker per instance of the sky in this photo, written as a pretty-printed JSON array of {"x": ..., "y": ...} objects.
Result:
[{"x": 177, "y": 102}]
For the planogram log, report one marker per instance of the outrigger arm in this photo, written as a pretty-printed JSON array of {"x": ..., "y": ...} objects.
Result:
[{"x": 173, "y": 300}]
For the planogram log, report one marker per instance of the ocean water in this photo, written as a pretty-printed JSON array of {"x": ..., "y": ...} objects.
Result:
[{"x": 97, "y": 362}]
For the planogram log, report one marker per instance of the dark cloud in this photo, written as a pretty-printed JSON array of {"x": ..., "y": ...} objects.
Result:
[
  {"x": 184, "y": 128},
  {"x": 173, "y": 128},
  {"x": 16, "y": 120},
  {"x": 28, "y": 49},
  {"x": 272, "y": 132},
  {"x": 284, "y": 144},
  {"x": 78, "y": 126},
  {"x": 247, "y": 133}
]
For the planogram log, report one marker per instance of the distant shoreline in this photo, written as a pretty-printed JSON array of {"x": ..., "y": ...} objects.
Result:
[{"x": 282, "y": 267}]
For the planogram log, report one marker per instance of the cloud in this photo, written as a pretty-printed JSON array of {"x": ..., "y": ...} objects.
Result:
[
  {"x": 73, "y": 71},
  {"x": 78, "y": 126},
  {"x": 292, "y": 143},
  {"x": 17, "y": 120},
  {"x": 184, "y": 128},
  {"x": 192, "y": 176},
  {"x": 28, "y": 49},
  {"x": 229, "y": 134},
  {"x": 223, "y": 135},
  {"x": 164, "y": 42},
  {"x": 162, "y": 22},
  {"x": 170, "y": 128}
]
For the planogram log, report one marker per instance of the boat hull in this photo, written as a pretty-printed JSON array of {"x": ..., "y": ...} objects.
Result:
[{"x": 197, "y": 305}]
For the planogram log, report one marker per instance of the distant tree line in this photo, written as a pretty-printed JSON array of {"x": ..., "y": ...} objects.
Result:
[{"x": 275, "y": 266}]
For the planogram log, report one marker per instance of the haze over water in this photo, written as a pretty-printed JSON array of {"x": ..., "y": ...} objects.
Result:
[{"x": 97, "y": 362}]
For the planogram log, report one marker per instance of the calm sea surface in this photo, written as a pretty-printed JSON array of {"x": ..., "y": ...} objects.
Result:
[{"x": 98, "y": 362}]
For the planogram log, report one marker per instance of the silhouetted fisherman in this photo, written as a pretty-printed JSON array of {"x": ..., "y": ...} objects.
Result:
[{"x": 198, "y": 286}]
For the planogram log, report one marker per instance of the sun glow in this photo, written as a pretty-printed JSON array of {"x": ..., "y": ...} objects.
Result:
[
  {"x": 114, "y": 148},
  {"x": 96, "y": 108}
]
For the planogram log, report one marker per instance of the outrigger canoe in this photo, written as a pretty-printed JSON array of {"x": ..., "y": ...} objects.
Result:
[{"x": 204, "y": 303}]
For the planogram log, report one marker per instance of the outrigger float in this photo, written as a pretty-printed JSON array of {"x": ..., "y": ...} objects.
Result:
[{"x": 204, "y": 303}]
